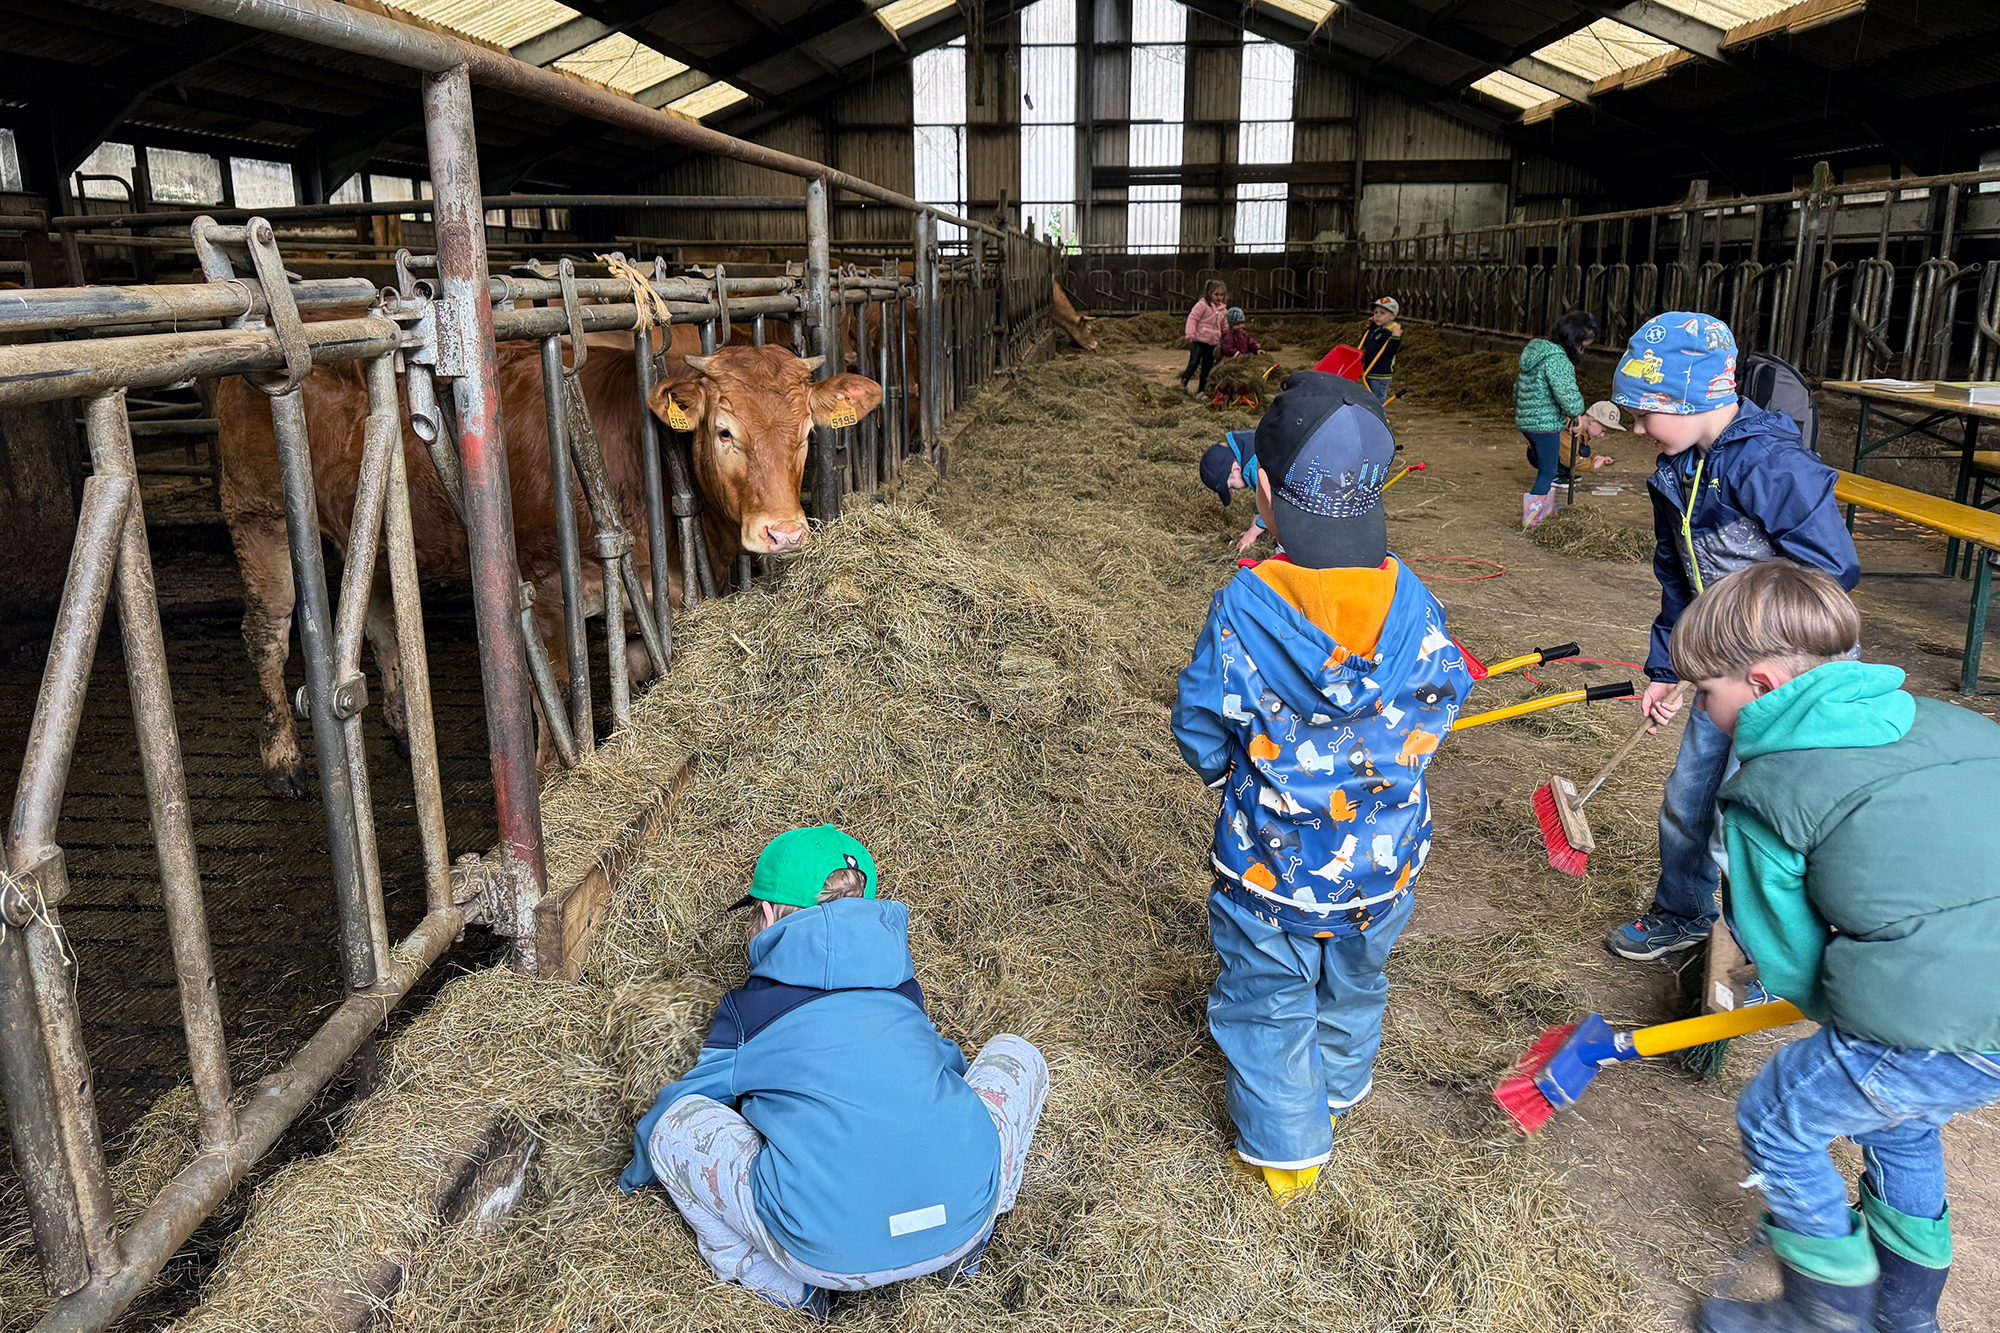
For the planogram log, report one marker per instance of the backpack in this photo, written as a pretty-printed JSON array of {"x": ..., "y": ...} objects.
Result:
[{"x": 1775, "y": 385}]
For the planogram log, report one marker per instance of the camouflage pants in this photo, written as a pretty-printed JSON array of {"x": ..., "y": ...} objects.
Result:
[{"x": 703, "y": 1152}]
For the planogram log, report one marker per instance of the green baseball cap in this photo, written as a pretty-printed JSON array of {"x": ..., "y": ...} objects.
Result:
[{"x": 793, "y": 866}]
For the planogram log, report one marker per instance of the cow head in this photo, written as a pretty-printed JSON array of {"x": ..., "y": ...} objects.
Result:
[{"x": 751, "y": 411}]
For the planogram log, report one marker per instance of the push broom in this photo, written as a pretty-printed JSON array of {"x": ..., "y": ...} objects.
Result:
[
  {"x": 1559, "y": 806},
  {"x": 1559, "y": 1067},
  {"x": 1623, "y": 689}
]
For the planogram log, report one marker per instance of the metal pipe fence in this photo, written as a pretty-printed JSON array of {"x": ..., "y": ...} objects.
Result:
[
  {"x": 930, "y": 333},
  {"x": 1845, "y": 281}
]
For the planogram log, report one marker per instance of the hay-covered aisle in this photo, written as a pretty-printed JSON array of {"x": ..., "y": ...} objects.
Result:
[{"x": 975, "y": 684}]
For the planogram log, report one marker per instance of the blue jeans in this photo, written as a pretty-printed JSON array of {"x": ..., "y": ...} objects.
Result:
[
  {"x": 1687, "y": 821},
  {"x": 1299, "y": 1021},
  {"x": 1547, "y": 445},
  {"x": 1888, "y": 1099},
  {"x": 1379, "y": 385}
]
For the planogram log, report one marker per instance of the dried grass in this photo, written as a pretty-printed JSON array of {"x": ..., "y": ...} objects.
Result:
[
  {"x": 1585, "y": 532},
  {"x": 978, "y": 692}
]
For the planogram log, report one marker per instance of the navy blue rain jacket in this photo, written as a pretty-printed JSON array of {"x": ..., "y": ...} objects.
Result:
[{"x": 1762, "y": 494}]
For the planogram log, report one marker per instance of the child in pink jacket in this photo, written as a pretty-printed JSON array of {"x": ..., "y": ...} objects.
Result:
[{"x": 1205, "y": 326}]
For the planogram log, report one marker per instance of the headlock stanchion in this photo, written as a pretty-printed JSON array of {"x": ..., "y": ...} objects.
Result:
[
  {"x": 936, "y": 329},
  {"x": 1843, "y": 280}
]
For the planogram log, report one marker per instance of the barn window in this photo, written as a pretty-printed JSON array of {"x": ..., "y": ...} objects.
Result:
[
  {"x": 260, "y": 184},
  {"x": 1048, "y": 120},
  {"x": 111, "y": 164},
  {"x": 348, "y": 193},
  {"x": 1264, "y": 138},
  {"x": 184, "y": 178},
  {"x": 10, "y": 161},
  {"x": 1159, "y": 95},
  {"x": 937, "y": 86}
]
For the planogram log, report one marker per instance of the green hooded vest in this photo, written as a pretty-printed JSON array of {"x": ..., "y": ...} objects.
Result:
[{"x": 1902, "y": 848}]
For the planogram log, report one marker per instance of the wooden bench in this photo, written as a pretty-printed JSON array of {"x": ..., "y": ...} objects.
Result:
[{"x": 1979, "y": 529}]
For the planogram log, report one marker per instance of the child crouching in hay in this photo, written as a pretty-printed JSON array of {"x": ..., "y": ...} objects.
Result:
[
  {"x": 1319, "y": 691},
  {"x": 828, "y": 1138}
]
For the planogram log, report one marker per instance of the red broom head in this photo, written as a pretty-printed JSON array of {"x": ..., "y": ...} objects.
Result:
[
  {"x": 1517, "y": 1094},
  {"x": 1472, "y": 664},
  {"x": 1562, "y": 855}
]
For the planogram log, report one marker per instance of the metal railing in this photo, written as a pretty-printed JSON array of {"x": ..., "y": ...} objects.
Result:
[
  {"x": 1317, "y": 278},
  {"x": 1844, "y": 281},
  {"x": 930, "y": 334}
]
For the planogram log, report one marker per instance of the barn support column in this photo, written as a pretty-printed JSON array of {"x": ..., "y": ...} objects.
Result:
[
  {"x": 829, "y": 467},
  {"x": 925, "y": 239},
  {"x": 489, "y": 512}
]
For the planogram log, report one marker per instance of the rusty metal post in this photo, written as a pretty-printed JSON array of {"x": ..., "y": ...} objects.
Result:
[
  {"x": 820, "y": 315},
  {"x": 27, "y": 1081},
  {"x": 658, "y": 553},
  {"x": 568, "y": 549},
  {"x": 867, "y": 471},
  {"x": 925, "y": 238},
  {"x": 503, "y": 666}
]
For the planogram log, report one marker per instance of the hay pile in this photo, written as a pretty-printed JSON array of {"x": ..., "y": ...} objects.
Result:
[
  {"x": 977, "y": 693},
  {"x": 1256, "y": 377},
  {"x": 1586, "y": 532}
]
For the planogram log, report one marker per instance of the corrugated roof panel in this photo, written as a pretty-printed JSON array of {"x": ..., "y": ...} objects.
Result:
[
  {"x": 1728, "y": 13},
  {"x": 1511, "y": 90},
  {"x": 904, "y": 13},
  {"x": 1603, "y": 48},
  {"x": 503, "y": 23},
  {"x": 620, "y": 62},
  {"x": 706, "y": 101}
]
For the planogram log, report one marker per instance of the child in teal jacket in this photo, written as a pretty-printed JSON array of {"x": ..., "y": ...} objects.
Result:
[{"x": 1861, "y": 850}]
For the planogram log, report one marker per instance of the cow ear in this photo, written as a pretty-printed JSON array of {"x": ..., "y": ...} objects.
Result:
[
  {"x": 681, "y": 403},
  {"x": 844, "y": 399}
]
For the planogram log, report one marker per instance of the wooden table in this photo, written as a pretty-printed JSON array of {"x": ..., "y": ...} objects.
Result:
[{"x": 1936, "y": 410}]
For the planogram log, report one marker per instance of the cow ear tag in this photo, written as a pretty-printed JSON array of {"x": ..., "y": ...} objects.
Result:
[
  {"x": 677, "y": 416},
  {"x": 843, "y": 413}
]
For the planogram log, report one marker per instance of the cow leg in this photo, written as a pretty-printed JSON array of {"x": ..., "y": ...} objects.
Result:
[
  {"x": 266, "y": 566},
  {"x": 380, "y": 627}
]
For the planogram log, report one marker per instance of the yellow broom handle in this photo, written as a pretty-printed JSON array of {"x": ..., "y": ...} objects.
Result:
[
  {"x": 1664, "y": 1037},
  {"x": 1514, "y": 664},
  {"x": 1520, "y": 709}
]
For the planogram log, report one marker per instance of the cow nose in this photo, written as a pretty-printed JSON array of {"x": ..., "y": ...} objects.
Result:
[{"x": 782, "y": 537}]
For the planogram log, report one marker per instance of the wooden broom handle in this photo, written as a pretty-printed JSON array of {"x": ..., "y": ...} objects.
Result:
[{"x": 1625, "y": 747}]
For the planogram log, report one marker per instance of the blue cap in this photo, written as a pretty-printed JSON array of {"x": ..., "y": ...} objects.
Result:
[
  {"x": 1336, "y": 457},
  {"x": 1679, "y": 363},
  {"x": 1215, "y": 465}
]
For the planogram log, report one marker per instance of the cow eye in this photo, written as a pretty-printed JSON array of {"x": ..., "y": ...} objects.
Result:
[{"x": 724, "y": 434}]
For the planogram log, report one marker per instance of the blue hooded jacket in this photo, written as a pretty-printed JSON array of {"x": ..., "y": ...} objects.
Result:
[
  {"x": 1762, "y": 494},
  {"x": 877, "y": 1153},
  {"x": 1319, "y": 752}
]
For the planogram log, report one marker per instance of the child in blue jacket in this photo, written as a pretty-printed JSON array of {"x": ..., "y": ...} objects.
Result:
[
  {"x": 1735, "y": 485},
  {"x": 1320, "y": 689},
  {"x": 828, "y": 1138}
]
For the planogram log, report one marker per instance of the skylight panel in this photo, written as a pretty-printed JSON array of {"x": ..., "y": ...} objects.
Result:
[
  {"x": 1312, "y": 11},
  {"x": 620, "y": 62},
  {"x": 1512, "y": 90},
  {"x": 506, "y": 24},
  {"x": 907, "y": 13},
  {"x": 1603, "y": 49},
  {"x": 1727, "y": 13},
  {"x": 706, "y": 101}
]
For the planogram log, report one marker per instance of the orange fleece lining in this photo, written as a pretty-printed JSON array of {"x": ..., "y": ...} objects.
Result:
[{"x": 1351, "y": 605}]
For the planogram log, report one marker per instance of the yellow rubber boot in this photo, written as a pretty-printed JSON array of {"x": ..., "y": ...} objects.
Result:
[{"x": 1286, "y": 1185}]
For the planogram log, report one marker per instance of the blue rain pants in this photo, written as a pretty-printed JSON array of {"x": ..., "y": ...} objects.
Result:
[{"x": 1299, "y": 1021}]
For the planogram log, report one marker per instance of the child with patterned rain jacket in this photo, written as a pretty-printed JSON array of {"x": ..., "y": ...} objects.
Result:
[{"x": 1320, "y": 689}]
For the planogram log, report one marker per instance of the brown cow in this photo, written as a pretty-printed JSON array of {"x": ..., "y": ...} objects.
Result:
[
  {"x": 755, "y": 413},
  {"x": 1070, "y": 322}
]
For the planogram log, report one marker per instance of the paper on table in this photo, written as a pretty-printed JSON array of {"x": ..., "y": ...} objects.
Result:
[{"x": 1898, "y": 386}]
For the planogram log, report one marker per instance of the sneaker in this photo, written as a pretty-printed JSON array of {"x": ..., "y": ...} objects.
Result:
[
  {"x": 1655, "y": 935},
  {"x": 817, "y": 1306}
]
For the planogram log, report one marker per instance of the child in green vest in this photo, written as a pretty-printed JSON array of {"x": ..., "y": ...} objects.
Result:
[{"x": 1861, "y": 848}]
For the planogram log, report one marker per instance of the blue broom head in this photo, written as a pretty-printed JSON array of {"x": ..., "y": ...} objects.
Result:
[{"x": 1576, "y": 1061}]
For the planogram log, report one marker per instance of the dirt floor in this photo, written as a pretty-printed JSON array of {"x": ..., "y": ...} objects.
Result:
[{"x": 1654, "y": 1156}]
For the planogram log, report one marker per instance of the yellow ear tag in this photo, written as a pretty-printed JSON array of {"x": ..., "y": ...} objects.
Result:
[
  {"x": 677, "y": 417},
  {"x": 843, "y": 413}
]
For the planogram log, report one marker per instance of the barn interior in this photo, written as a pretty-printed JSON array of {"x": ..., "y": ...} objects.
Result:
[{"x": 357, "y": 1038}]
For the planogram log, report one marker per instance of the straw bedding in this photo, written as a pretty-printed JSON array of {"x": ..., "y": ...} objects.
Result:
[
  {"x": 1588, "y": 533},
  {"x": 974, "y": 682}
]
